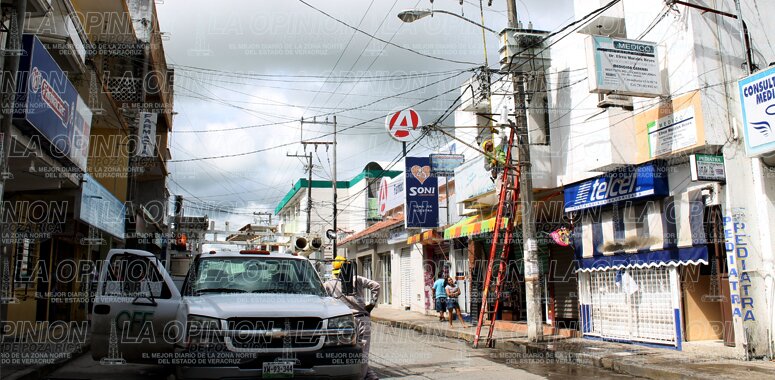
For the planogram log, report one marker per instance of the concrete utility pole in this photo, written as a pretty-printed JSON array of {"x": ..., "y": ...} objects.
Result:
[
  {"x": 535, "y": 329},
  {"x": 309, "y": 188},
  {"x": 333, "y": 168}
]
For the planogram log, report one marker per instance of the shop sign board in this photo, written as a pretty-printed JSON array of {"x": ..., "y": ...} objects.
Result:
[
  {"x": 630, "y": 183},
  {"x": 443, "y": 165},
  {"x": 624, "y": 67},
  {"x": 100, "y": 208},
  {"x": 47, "y": 102},
  {"x": 670, "y": 127},
  {"x": 757, "y": 98},
  {"x": 391, "y": 194},
  {"x": 707, "y": 167}
]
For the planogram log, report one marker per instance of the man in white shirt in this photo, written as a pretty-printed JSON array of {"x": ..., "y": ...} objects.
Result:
[{"x": 358, "y": 305}]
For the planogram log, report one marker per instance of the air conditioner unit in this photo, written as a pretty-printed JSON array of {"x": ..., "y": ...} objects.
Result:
[{"x": 614, "y": 100}]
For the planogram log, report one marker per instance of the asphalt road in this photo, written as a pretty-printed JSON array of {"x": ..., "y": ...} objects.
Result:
[{"x": 396, "y": 353}]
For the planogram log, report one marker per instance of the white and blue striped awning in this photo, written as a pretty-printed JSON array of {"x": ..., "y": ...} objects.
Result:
[{"x": 661, "y": 232}]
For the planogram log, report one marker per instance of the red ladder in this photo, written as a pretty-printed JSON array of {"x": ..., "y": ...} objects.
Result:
[{"x": 510, "y": 188}]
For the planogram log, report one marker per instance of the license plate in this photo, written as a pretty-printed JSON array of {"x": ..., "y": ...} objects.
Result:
[{"x": 277, "y": 370}]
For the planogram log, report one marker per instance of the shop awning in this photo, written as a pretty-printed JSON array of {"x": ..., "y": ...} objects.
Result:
[
  {"x": 429, "y": 236},
  {"x": 664, "y": 232},
  {"x": 472, "y": 225}
]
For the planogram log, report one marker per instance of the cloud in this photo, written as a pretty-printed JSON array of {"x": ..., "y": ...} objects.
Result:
[{"x": 283, "y": 53}]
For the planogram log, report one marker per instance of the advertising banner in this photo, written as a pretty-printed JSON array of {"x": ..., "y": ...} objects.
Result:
[
  {"x": 422, "y": 194},
  {"x": 48, "y": 102},
  {"x": 757, "y": 97},
  {"x": 630, "y": 183},
  {"x": 147, "y": 132},
  {"x": 391, "y": 194},
  {"x": 624, "y": 67}
]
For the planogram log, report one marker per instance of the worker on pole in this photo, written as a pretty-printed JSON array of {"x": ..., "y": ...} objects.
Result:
[{"x": 361, "y": 310}]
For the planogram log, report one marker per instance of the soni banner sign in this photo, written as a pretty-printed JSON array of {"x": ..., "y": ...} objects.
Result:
[
  {"x": 630, "y": 183},
  {"x": 422, "y": 194},
  {"x": 757, "y": 97},
  {"x": 48, "y": 102}
]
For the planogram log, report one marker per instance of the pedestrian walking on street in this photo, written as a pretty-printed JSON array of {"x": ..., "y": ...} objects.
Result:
[
  {"x": 440, "y": 296},
  {"x": 453, "y": 291},
  {"x": 357, "y": 304}
]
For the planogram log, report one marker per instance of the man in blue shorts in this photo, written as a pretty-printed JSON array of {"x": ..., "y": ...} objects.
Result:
[{"x": 440, "y": 295}]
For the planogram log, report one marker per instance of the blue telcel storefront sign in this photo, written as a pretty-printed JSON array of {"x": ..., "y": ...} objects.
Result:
[
  {"x": 630, "y": 183},
  {"x": 49, "y": 103}
]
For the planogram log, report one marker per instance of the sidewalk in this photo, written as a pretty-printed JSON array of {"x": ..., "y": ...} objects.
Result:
[
  {"x": 40, "y": 361},
  {"x": 695, "y": 362}
]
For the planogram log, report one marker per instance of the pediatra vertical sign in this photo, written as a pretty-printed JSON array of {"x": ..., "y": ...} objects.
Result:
[
  {"x": 624, "y": 67},
  {"x": 422, "y": 194},
  {"x": 147, "y": 131},
  {"x": 757, "y": 98}
]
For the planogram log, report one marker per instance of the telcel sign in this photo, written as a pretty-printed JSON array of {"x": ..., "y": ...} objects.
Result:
[
  {"x": 757, "y": 97},
  {"x": 634, "y": 182}
]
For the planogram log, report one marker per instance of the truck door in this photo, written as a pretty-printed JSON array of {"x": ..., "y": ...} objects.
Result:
[{"x": 135, "y": 309}]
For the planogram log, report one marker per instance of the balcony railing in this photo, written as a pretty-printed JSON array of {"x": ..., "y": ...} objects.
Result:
[{"x": 126, "y": 89}]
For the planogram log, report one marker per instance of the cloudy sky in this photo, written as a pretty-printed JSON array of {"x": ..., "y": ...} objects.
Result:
[{"x": 247, "y": 71}]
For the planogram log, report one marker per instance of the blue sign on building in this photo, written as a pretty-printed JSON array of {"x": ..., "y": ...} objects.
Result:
[
  {"x": 422, "y": 194},
  {"x": 49, "y": 103},
  {"x": 630, "y": 183}
]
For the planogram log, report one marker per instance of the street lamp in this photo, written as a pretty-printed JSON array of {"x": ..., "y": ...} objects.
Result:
[{"x": 413, "y": 15}]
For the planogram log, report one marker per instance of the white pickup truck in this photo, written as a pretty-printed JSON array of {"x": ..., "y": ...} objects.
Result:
[{"x": 244, "y": 313}]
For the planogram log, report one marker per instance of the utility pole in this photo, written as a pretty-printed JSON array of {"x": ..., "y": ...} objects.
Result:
[
  {"x": 333, "y": 168},
  {"x": 530, "y": 245},
  {"x": 309, "y": 188}
]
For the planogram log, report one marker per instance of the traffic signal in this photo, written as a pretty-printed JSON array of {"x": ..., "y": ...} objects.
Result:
[{"x": 180, "y": 243}]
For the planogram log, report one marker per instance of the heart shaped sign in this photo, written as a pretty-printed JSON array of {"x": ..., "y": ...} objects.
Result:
[{"x": 421, "y": 173}]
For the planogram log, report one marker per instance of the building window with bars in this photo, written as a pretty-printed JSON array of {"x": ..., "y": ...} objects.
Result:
[{"x": 26, "y": 260}]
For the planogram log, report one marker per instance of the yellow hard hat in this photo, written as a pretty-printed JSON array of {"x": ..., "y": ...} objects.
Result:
[{"x": 338, "y": 261}]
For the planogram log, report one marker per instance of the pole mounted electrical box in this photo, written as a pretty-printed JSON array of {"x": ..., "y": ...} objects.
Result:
[
  {"x": 476, "y": 94},
  {"x": 523, "y": 50}
]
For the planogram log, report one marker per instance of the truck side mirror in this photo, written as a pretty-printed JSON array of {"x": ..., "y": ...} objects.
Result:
[{"x": 347, "y": 276}]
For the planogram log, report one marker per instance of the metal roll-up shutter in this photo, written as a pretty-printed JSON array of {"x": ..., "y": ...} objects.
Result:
[{"x": 406, "y": 277}]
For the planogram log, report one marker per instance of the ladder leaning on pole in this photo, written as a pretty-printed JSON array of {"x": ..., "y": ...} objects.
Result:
[{"x": 509, "y": 191}]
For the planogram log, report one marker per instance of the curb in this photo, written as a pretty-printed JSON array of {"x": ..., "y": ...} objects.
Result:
[
  {"x": 553, "y": 351},
  {"x": 39, "y": 371}
]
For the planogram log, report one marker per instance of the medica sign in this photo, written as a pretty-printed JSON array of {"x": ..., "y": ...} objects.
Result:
[{"x": 757, "y": 98}]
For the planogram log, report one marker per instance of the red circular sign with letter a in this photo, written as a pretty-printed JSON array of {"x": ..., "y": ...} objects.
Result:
[{"x": 404, "y": 125}]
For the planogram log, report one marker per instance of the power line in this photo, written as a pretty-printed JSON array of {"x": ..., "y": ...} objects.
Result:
[{"x": 382, "y": 40}]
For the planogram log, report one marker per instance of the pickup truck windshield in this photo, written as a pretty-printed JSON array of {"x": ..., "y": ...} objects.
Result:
[{"x": 252, "y": 275}]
